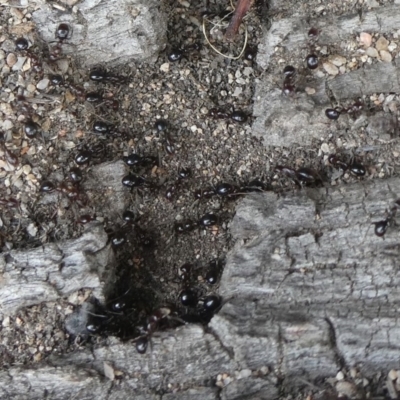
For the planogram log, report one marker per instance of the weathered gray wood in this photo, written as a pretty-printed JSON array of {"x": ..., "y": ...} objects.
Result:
[
  {"x": 250, "y": 388},
  {"x": 379, "y": 78},
  {"x": 54, "y": 270},
  {"x": 291, "y": 33},
  {"x": 186, "y": 358},
  {"x": 311, "y": 288},
  {"x": 193, "y": 394},
  {"x": 54, "y": 383},
  {"x": 308, "y": 288},
  {"x": 284, "y": 121},
  {"x": 105, "y": 31},
  {"x": 186, "y": 355}
]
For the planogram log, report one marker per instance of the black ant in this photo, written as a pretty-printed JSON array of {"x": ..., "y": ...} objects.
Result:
[
  {"x": 213, "y": 272},
  {"x": 63, "y": 32},
  {"x": 235, "y": 116},
  {"x": 9, "y": 202},
  {"x": 169, "y": 144},
  {"x": 177, "y": 53},
  {"x": 289, "y": 74},
  {"x": 100, "y": 75},
  {"x": 312, "y": 60},
  {"x": 135, "y": 181},
  {"x": 354, "y": 168},
  {"x": 353, "y": 110},
  {"x": 57, "y": 80},
  {"x": 135, "y": 160},
  {"x": 23, "y": 105},
  {"x": 185, "y": 272},
  {"x": 121, "y": 235},
  {"x": 22, "y": 45},
  {"x": 157, "y": 320},
  {"x": 116, "y": 317},
  {"x": 250, "y": 53},
  {"x": 230, "y": 191},
  {"x": 183, "y": 174},
  {"x": 107, "y": 100},
  {"x": 302, "y": 176},
  {"x": 69, "y": 188},
  {"x": 189, "y": 297},
  {"x": 382, "y": 226},
  {"x": 206, "y": 221},
  {"x": 87, "y": 153}
]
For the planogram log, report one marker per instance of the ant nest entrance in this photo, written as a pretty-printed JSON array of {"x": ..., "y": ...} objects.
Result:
[{"x": 138, "y": 312}]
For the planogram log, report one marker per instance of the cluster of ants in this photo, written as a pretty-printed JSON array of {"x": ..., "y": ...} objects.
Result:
[
  {"x": 312, "y": 62},
  {"x": 122, "y": 314}
]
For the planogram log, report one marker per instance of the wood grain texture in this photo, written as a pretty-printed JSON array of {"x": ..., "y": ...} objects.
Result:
[
  {"x": 308, "y": 289},
  {"x": 291, "y": 32},
  {"x": 300, "y": 118},
  {"x": 54, "y": 270},
  {"x": 108, "y": 31},
  {"x": 311, "y": 287}
]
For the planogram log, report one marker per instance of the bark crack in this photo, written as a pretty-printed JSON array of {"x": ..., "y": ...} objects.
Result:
[
  {"x": 228, "y": 350},
  {"x": 333, "y": 340}
]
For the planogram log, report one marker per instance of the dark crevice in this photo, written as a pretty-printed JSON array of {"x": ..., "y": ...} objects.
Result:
[
  {"x": 340, "y": 360},
  {"x": 229, "y": 350}
]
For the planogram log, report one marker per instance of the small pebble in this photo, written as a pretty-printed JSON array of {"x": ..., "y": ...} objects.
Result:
[
  {"x": 26, "y": 169},
  {"x": 164, "y": 67},
  {"x": 392, "y": 374},
  {"x": 32, "y": 230},
  {"x": 372, "y": 52},
  {"x": 108, "y": 371},
  {"x": 244, "y": 373},
  {"x": 31, "y": 88},
  {"x": 348, "y": 389},
  {"x": 309, "y": 90},
  {"x": 330, "y": 68},
  {"x": 325, "y": 148},
  {"x": 365, "y": 39},
  {"x": 42, "y": 84},
  {"x": 238, "y": 91},
  {"x": 372, "y": 4},
  {"x": 11, "y": 60},
  {"x": 7, "y": 125},
  {"x": 385, "y": 56},
  {"x": 382, "y": 44},
  {"x": 340, "y": 376},
  {"x": 19, "y": 64},
  {"x": 337, "y": 60},
  {"x": 264, "y": 370}
]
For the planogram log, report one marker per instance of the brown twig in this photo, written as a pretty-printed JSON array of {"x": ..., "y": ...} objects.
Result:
[{"x": 241, "y": 9}]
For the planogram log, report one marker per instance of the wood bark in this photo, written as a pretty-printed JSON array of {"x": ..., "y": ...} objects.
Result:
[
  {"x": 55, "y": 270},
  {"x": 291, "y": 32},
  {"x": 108, "y": 31},
  {"x": 308, "y": 289},
  {"x": 300, "y": 118}
]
